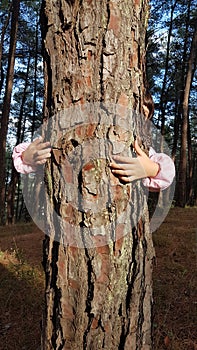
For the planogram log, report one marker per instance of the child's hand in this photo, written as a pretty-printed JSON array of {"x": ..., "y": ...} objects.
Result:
[
  {"x": 129, "y": 169},
  {"x": 37, "y": 152}
]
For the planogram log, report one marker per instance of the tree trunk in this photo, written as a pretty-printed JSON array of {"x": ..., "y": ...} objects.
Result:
[
  {"x": 19, "y": 138},
  {"x": 3, "y": 31},
  {"x": 163, "y": 98},
  {"x": 190, "y": 180},
  {"x": 180, "y": 93},
  {"x": 176, "y": 130},
  {"x": 184, "y": 128},
  {"x": 6, "y": 105},
  {"x": 35, "y": 82},
  {"x": 98, "y": 250}
]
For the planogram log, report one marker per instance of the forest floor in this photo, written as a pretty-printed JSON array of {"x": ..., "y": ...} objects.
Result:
[{"x": 175, "y": 284}]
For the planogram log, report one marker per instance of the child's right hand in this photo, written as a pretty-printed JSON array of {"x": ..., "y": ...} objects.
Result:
[
  {"x": 129, "y": 169},
  {"x": 37, "y": 152}
]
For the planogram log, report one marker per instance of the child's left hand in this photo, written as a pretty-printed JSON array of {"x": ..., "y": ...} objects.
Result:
[
  {"x": 37, "y": 152},
  {"x": 129, "y": 169}
]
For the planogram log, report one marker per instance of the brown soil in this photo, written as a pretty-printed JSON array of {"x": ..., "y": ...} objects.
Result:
[
  {"x": 175, "y": 282},
  {"x": 21, "y": 287},
  {"x": 175, "y": 287}
]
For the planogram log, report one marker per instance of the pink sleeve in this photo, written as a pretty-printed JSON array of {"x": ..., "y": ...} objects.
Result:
[
  {"x": 17, "y": 159},
  {"x": 166, "y": 174}
]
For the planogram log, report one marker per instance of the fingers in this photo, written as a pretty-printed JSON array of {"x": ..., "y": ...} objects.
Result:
[
  {"x": 115, "y": 166},
  {"x": 37, "y": 141},
  {"x": 138, "y": 149},
  {"x": 39, "y": 144},
  {"x": 41, "y": 162},
  {"x": 41, "y": 151},
  {"x": 44, "y": 145},
  {"x": 125, "y": 172},
  {"x": 41, "y": 156},
  {"x": 132, "y": 169},
  {"x": 122, "y": 159},
  {"x": 126, "y": 179}
]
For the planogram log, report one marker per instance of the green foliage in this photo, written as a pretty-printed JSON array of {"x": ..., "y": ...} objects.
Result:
[
  {"x": 28, "y": 48},
  {"x": 27, "y": 94},
  {"x": 5, "y": 4}
]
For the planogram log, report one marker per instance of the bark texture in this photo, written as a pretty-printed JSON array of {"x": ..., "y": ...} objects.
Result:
[{"x": 98, "y": 265}]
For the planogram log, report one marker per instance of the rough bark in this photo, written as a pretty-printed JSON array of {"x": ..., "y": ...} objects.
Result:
[{"x": 98, "y": 280}]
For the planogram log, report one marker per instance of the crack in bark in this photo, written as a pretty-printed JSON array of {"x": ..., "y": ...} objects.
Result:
[
  {"x": 139, "y": 333},
  {"x": 133, "y": 269},
  {"x": 57, "y": 312},
  {"x": 90, "y": 295},
  {"x": 102, "y": 88},
  {"x": 130, "y": 282}
]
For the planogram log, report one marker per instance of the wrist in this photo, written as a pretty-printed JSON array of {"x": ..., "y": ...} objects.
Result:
[
  {"x": 23, "y": 157},
  {"x": 155, "y": 169}
]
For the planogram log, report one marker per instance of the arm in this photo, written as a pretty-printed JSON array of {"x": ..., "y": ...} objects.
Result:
[
  {"x": 157, "y": 171},
  {"x": 27, "y": 156},
  {"x": 166, "y": 173},
  {"x": 19, "y": 165},
  {"x": 129, "y": 169}
]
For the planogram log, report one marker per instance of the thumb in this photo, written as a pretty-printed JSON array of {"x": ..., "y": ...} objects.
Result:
[{"x": 138, "y": 149}]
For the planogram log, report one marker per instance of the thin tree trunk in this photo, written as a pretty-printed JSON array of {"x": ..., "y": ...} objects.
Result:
[
  {"x": 180, "y": 93},
  {"x": 190, "y": 193},
  {"x": 1, "y": 45},
  {"x": 19, "y": 139},
  {"x": 6, "y": 105},
  {"x": 176, "y": 128},
  {"x": 164, "y": 91},
  {"x": 184, "y": 128},
  {"x": 98, "y": 264},
  {"x": 163, "y": 99},
  {"x": 35, "y": 83}
]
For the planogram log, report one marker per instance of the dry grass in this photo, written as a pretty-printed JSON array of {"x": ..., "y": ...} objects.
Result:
[
  {"x": 21, "y": 289},
  {"x": 175, "y": 282},
  {"x": 175, "y": 289}
]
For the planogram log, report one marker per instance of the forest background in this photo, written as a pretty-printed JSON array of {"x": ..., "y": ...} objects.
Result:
[{"x": 171, "y": 72}]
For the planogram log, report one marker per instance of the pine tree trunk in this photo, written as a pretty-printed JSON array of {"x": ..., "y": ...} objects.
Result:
[
  {"x": 3, "y": 31},
  {"x": 190, "y": 194},
  {"x": 182, "y": 184},
  {"x": 19, "y": 138},
  {"x": 35, "y": 84},
  {"x": 98, "y": 264},
  {"x": 163, "y": 99},
  {"x": 6, "y": 105}
]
